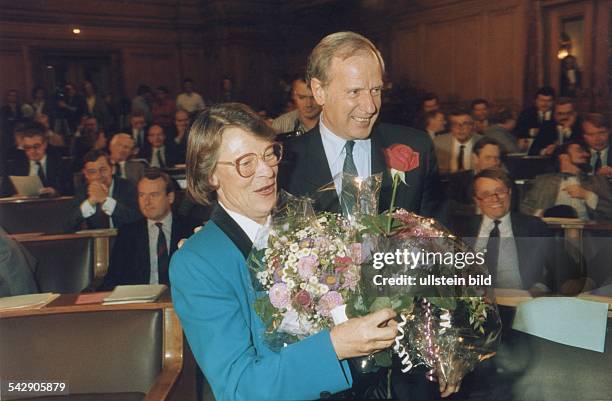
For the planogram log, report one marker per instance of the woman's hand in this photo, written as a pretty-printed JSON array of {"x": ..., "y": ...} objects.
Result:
[{"x": 364, "y": 335}]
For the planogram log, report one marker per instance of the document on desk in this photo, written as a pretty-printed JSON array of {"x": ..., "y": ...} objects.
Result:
[
  {"x": 30, "y": 301},
  {"x": 130, "y": 294},
  {"x": 570, "y": 321}
]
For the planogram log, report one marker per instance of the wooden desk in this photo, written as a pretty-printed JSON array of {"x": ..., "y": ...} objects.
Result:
[
  {"x": 70, "y": 262},
  {"x": 103, "y": 346},
  {"x": 24, "y": 215}
]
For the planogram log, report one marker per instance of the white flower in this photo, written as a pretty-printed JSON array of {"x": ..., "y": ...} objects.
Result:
[
  {"x": 322, "y": 219},
  {"x": 294, "y": 247},
  {"x": 292, "y": 258},
  {"x": 302, "y": 286},
  {"x": 313, "y": 280},
  {"x": 290, "y": 284},
  {"x": 323, "y": 289}
]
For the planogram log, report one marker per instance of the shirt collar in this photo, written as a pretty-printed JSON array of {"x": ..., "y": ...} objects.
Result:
[
  {"x": 504, "y": 221},
  {"x": 166, "y": 222},
  {"x": 332, "y": 142},
  {"x": 250, "y": 227},
  {"x": 43, "y": 161}
]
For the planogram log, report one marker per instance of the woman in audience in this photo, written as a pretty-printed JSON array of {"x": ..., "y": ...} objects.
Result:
[{"x": 231, "y": 151}]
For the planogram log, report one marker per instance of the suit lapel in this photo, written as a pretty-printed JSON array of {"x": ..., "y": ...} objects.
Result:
[
  {"x": 229, "y": 226},
  {"x": 174, "y": 236},
  {"x": 320, "y": 174},
  {"x": 145, "y": 256},
  {"x": 379, "y": 165}
]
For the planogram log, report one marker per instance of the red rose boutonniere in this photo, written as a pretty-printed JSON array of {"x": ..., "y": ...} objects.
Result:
[{"x": 400, "y": 159}]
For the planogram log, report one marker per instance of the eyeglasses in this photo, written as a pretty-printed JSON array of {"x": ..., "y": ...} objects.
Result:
[
  {"x": 101, "y": 170},
  {"x": 490, "y": 197},
  {"x": 465, "y": 124},
  {"x": 32, "y": 147},
  {"x": 246, "y": 165}
]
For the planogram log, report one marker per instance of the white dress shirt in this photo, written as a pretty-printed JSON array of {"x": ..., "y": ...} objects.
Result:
[
  {"x": 603, "y": 154},
  {"x": 467, "y": 154},
  {"x": 161, "y": 152},
  {"x": 250, "y": 227},
  {"x": 508, "y": 273},
  {"x": 336, "y": 153},
  {"x": 108, "y": 206},
  {"x": 190, "y": 102},
  {"x": 34, "y": 166},
  {"x": 153, "y": 231}
]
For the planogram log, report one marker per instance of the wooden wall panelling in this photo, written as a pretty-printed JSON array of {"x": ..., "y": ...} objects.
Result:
[
  {"x": 405, "y": 56},
  {"x": 602, "y": 62},
  {"x": 466, "y": 65},
  {"x": 13, "y": 72},
  {"x": 437, "y": 59}
]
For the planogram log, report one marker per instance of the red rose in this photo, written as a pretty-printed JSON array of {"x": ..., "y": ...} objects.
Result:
[
  {"x": 303, "y": 298},
  {"x": 401, "y": 157}
]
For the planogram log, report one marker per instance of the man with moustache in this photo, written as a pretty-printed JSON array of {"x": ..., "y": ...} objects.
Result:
[
  {"x": 590, "y": 196},
  {"x": 306, "y": 113},
  {"x": 568, "y": 128},
  {"x": 596, "y": 135},
  {"x": 345, "y": 73}
]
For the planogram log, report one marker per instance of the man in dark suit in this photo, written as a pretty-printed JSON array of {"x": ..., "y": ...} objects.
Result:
[
  {"x": 346, "y": 80},
  {"x": 160, "y": 152},
  {"x": 596, "y": 135},
  {"x": 520, "y": 249},
  {"x": 138, "y": 130},
  {"x": 43, "y": 160},
  {"x": 589, "y": 195},
  {"x": 567, "y": 128},
  {"x": 143, "y": 248},
  {"x": 537, "y": 119},
  {"x": 104, "y": 201},
  {"x": 345, "y": 74},
  {"x": 121, "y": 148}
]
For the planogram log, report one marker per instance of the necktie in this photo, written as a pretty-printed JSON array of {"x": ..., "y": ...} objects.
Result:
[
  {"x": 492, "y": 256},
  {"x": 348, "y": 196},
  {"x": 41, "y": 174},
  {"x": 460, "y": 158},
  {"x": 163, "y": 259},
  {"x": 597, "y": 161},
  {"x": 160, "y": 161},
  {"x": 102, "y": 219}
]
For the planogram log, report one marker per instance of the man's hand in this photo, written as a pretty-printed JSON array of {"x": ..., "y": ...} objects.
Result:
[
  {"x": 447, "y": 389},
  {"x": 549, "y": 150},
  {"x": 606, "y": 171},
  {"x": 576, "y": 191},
  {"x": 97, "y": 193},
  {"x": 100, "y": 141},
  {"x": 364, "y": 335},
  {"x": 48, "y": 191}
]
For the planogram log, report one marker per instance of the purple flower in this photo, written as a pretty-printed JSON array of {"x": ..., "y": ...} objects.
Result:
[
  {"x": 279, "y": 295},
  {"x": 306, "y": 266},
  {"x": 328, "y": 302},
  {"x": 350, "y": 280}
]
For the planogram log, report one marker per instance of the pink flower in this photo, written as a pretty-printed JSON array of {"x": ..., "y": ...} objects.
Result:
[
  {"x": 328, "y": 302},
  {"x": 356, "y": 252},
  {"x": 279, "y": 295},
  {"x": 303, "y": 298},
  {"x": 350, "y": 280},
  {"x": 306, "y": 266},
  {"x": 342, "y": 263}
]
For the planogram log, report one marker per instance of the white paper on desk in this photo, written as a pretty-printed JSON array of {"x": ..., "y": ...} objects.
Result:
[{"x": 568, "y": 321}]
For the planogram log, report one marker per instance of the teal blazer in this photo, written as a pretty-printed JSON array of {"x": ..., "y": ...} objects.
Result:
[{"x": 213, "y": 297}]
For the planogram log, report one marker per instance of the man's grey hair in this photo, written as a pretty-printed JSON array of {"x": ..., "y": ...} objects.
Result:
[
  {"x": 121, "y": 135},
  {"x": 342, "y": 45}
]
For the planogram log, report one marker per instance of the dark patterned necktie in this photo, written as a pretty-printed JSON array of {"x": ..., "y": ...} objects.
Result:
[
  {"x": 597, "y": 162},
  {"x": 41, "y": 174},
  {"x": 348, "y": 196},
  {"x": 163, "y": 259},
  {"x": 460, "y": 158},
  {"x": 491, "y": 259}
]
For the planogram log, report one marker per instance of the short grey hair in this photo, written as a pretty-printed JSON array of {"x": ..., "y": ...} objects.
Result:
[{"x": 342, "y": 45}]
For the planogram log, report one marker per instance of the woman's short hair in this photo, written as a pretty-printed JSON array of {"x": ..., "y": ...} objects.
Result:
[
  {"x": 204, "y": 142},
  {"x": 342, "y": 45}
]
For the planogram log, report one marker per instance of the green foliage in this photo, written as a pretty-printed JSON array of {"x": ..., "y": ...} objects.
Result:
[{"x": 265, "y": 310}]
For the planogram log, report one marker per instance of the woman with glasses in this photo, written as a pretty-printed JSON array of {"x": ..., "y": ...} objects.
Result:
[{"x": 231, "y": 151}]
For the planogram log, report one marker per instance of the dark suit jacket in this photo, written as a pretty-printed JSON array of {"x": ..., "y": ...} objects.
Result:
[
  {"x": 170, "y": 154},
  {"x": 58, "y": 175},
  {"x": 538, "y": 257},
  {"x": 125, "y": 212},
  {"x": 306, "y": 169},
  {"x": 130, "y": 260},
  {"x": 549, "y": 135}
]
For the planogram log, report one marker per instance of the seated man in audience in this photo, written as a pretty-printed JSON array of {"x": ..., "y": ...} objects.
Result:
[
  {"x": 160, "y": 152},
  {"x": 89, "y": 137},
  {"x": 588, "y": 195},
  {"x": 503, "y": 122},
  {"x": 428, "y": 102},
  {"x": 460, "y": 193},
  {"x": 454, "y": 150},
  {"x": 306, "y": 113},
  {"x": 104, "y": 201},
  {"x": 567, "y": 128},
  {"x": 596, "y": 135},
  {"x": 181, "y": 134},
  {"x": 43, "y": 160},
  {"x": 480, "y": 114},
  {"x": 520, "y": 251},
  {"x": 137, "y": 130},
  {"x": 142, "y": 250},
  {"x": 434, "y": 123},
  {"x": 189, "y": 100},
  {"x": 121, "y": 148},
  {"x": 537, "y": 119}
]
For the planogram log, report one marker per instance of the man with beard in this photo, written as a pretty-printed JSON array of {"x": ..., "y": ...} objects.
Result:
[
  {"x": 588, "y": 195},
  {"x": 306, "y": 113}
]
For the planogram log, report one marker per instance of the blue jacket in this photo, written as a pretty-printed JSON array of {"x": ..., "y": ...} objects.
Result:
[{"x": 213, "y": 297}]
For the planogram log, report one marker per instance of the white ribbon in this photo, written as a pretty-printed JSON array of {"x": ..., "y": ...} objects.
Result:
[{"x": 399, "y": 348}]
